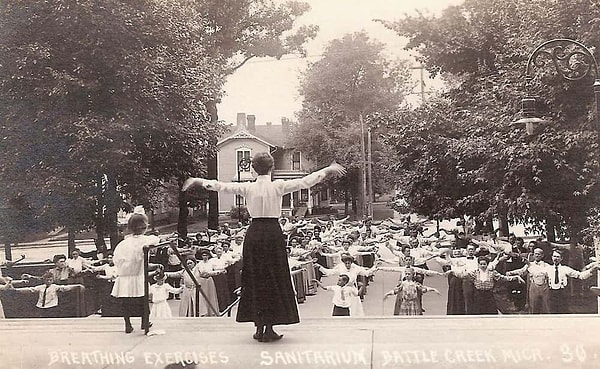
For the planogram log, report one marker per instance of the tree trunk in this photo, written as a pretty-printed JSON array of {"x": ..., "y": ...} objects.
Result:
[
  {"x": 182, "y": 220},
  {"x": 346, "y": 201},
  {"x": 503, "y": 225},
  {"x": 100, "y": 244},
  {"x": 7, "y": 250},
  {"x": 151, "y": 220},
  {"x": 213, "y": 196},
  {"x": 361, "y": 201},
  {"x": 70, "y": 240},
  {"x": 479, "y": 226},
  {"x": 550, "y": 230},
  {"x": 212, "y": 172},
  {"x": 112, "y": 207},
  {"x": 489, "y": 224}
]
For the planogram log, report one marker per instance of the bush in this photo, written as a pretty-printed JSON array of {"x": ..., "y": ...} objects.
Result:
[{"x": 240, "y": 213}]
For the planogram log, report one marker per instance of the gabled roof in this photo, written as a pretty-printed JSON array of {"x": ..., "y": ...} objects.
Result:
[
  {"x": 243, "y": 133},
  {"x": 272, "y": 135}
]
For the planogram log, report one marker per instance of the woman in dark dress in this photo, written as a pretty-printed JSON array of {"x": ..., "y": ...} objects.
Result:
[
  {"x": 456, "y": 301},
  {"x": 267, "y": 297}
]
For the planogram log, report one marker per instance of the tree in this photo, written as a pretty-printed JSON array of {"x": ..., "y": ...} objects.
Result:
[
  {"x": 101, "y": 100},
  {"x": 481, "y": 49},
  {"x": 352, "y": 80}
]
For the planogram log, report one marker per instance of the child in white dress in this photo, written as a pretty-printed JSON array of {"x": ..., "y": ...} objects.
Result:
[{"x": 159, "y": 292}]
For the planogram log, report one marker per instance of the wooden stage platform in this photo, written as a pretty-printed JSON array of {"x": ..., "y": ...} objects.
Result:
[{"x": 501, "y": 342}]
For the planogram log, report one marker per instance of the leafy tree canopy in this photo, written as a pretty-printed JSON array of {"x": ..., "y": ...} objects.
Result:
[
  {"x": 352, "y": 79},
  {"x": 470, "y": 158},
  {"x": 89, "y": 89}
]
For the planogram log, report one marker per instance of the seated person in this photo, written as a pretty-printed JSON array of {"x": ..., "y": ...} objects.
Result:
[{"x": 61, "y": 273}]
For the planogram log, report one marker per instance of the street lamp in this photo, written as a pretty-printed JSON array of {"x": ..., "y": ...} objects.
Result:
[
  {"x": 529, "y": 118},
  {"x": 572, "y": 60}
]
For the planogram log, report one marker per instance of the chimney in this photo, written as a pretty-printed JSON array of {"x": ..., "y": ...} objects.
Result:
[
  {"x": 251, "y": 122},
  {"x": 285, "y": 125},
  {"x": 241, "y": 120}
]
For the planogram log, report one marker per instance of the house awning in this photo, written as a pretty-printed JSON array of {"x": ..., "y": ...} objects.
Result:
[{"x": 288, "y": 174}]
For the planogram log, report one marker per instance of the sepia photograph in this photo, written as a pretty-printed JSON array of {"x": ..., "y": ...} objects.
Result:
[{"x": 367, "y": 184}]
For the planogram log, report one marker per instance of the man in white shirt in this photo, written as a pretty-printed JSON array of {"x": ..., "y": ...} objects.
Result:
[
  {"x": 558, "y": 279},
  {"x": 48, "y": 300}
]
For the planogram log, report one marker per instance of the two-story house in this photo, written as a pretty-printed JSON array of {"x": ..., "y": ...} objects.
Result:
[{"x": 247, "y": 138}]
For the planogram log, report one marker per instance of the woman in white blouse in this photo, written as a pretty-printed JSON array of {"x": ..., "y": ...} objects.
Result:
[
  {"x": 129, "y": 260},
  {"x": 204, "y": 271},
  {"x": 267, "y": 297}
]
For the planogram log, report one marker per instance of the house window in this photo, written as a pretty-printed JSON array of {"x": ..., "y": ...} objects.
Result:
[
  {"x": 296, "y": 160},
  {"x": 240, "y": 200},
  {"x": 242, "y": 154},
  {"x": 323, "y": 194},
  {"x": 304, "y": 195},
  {"x": 287, "y": 201}
]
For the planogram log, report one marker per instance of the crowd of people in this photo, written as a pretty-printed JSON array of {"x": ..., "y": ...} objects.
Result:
[
  {"x": 485, "y": 274},
  {"x": 479, "y": 274}
]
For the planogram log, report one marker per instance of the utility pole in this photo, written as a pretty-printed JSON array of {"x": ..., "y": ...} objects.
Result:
[
  {"x": 364, "y": 166},
  {"x": 422, "y": 92},
  {"x": 370, "y": 173}
]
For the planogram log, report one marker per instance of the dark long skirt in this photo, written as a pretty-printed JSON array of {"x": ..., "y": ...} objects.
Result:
[
  {"x": 131, "y": 306},
  {"x": 267, "y": 293},
  {"x": 224, "y": 296},
  {"x": 456, "y": 301},
  {"x": 484, "y": 303}
]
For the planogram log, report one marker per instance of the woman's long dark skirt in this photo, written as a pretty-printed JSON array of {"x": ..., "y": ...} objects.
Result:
[
  {"x": 456, "y": 301},
  {"x": 267, "y": 293},
  {"x": 484, "y": 303}
]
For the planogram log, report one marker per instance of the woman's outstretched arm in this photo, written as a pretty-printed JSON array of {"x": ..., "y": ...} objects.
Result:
[
  {"x": 214, "y": 185},
  {"x": 312, "y": 179}
]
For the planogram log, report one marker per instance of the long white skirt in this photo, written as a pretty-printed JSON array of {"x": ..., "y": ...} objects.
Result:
[{"x": 160, "y": 310}]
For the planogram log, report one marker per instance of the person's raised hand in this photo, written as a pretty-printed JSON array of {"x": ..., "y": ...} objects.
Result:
[
  {"x": 191, "y": 182},
  {"x": 337, "y": 170}
]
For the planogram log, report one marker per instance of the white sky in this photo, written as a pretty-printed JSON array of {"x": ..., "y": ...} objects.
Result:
[{"x": 268, "y": 88}]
